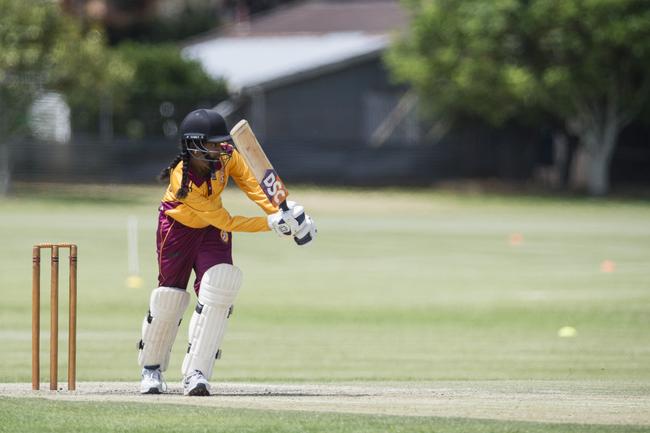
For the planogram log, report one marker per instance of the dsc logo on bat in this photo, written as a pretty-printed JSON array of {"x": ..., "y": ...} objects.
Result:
[{"x": 273, "y": 187}]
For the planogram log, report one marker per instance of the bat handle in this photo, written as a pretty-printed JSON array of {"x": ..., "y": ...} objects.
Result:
[{"x": 300, "y": 218}]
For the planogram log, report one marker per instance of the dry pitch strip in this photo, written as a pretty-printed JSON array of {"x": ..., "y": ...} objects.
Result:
[{"x": 583, "y": 402}]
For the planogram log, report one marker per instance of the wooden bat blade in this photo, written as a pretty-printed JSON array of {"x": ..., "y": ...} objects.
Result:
[{"x": 257, "y": 161}]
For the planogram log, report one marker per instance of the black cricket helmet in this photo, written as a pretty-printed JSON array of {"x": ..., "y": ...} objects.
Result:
[{"x": 200, "y": 127}]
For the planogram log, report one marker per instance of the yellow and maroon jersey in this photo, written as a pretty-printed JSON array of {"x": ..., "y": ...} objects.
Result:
[{"x": 202, "y": 207}]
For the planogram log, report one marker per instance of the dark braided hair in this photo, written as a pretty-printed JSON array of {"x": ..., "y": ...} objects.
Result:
[
  {"x": 184, "y": 189},
  {"x": 183, "y": 156}
]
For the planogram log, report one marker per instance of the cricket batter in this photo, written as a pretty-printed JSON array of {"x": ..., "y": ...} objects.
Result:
[{"x": 195, "y": 233}]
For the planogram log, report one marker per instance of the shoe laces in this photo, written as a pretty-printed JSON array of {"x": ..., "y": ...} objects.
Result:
[
  {"x": 195, "y": 373},
  {"x": 155, "y": 376},
  {"x": 152, "y": 374}
]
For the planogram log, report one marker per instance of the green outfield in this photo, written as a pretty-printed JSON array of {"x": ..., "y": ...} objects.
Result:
[{"x": 400, "y": 286}]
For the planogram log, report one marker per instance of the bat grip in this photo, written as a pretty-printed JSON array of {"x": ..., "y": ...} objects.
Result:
[{"x": 300, "y": 218}]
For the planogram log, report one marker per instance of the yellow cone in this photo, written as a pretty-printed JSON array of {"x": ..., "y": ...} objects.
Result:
[
  {"x": 567, "y": 332},
  {"x": 134, "y": 282}
]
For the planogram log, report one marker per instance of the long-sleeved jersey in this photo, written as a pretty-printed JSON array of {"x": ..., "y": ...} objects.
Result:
[{"x": 202, "y": 206}]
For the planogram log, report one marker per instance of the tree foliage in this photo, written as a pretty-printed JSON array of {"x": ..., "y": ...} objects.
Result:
[
  {"x": 584, "y": 62},
  {"x": 191, "y": 19},
  {"x": 43, "y": 50},
  {"x": 177, "y": 20},
  {"x": 162, "y": 76}
]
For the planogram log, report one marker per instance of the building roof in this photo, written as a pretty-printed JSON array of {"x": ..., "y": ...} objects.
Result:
[
  {"x": 320, "y": 17},
  {"x": 294, "y": 41},
  {"x": 264, "y": 61}
]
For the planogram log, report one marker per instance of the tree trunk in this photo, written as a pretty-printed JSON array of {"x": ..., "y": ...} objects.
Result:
[
  {"x": 598, "y": 137},
  {"x": 5, "y": 168},
  {"x": 567, "y": 162},
  {"x": 598, "y": 172}
]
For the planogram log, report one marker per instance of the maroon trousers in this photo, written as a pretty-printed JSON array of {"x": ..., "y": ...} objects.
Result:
[{"x": 182, "y": 249}]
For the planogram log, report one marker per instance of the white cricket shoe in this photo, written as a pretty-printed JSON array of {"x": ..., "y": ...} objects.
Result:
[
  {"x": 152, "y": 381},
  {"x": 196, "y": 384}
]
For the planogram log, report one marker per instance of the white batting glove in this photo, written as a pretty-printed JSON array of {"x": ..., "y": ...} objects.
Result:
[
  {"x": 295, "y": 216},
  {"x": 289, "y": 222},
  {"x": 277, "y": 223},
  {"x": 307, "y": 232}
]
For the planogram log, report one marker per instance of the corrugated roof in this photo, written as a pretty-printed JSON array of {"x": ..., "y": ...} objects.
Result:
[
  {"x": 256, "y": 61},
  {"x": 294, "y": 40}
]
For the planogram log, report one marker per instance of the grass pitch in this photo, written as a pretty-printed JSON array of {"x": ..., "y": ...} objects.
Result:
[
  {"x": 82, "y": 417},
  {"x": 399, "y": 286}
]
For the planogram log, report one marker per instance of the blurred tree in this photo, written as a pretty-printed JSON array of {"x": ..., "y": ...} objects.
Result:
[
  {"x": 254, "y": 6},
  {"x": 584, "y": 62},
  {"x": 163, "y": 20},
  {"x": 43, "y": 50},
  {"x": 184, "y": 20},
  {"x": 163, "y": 89},
  {"x": 147, "y": 20}
]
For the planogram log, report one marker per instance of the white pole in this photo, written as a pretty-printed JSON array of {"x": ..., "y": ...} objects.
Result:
[{"x": 134, "y": 280}]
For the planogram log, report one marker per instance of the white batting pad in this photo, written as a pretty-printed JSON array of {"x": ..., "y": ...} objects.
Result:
[
  {"x": 160, "y": 325},
  {"x": 219, "y": 287}
]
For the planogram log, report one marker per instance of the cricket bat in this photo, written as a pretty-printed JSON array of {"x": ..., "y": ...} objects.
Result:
[{"x": 252, "y": 152}]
